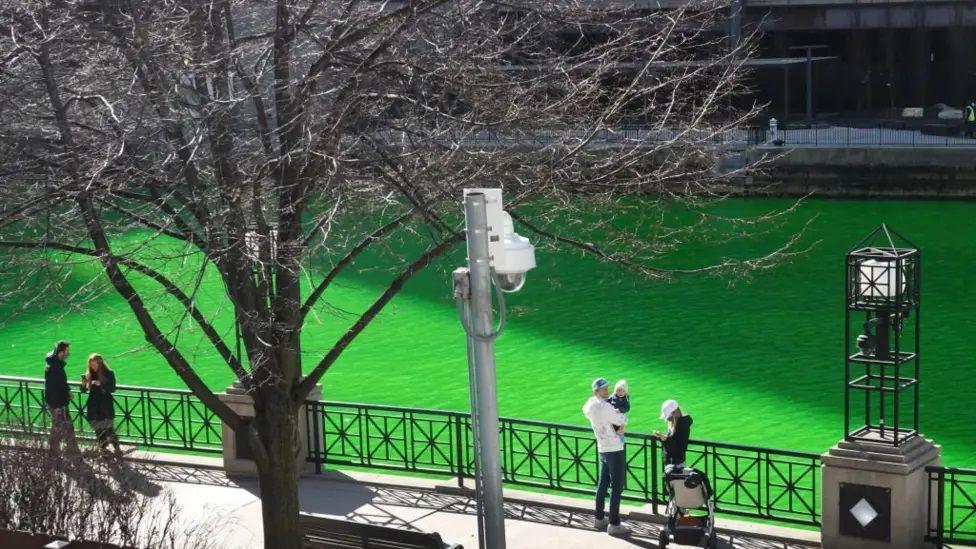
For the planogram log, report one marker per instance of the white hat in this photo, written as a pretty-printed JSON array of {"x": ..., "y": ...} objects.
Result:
[
  {"x": 599, "y": 383},
  {"x": 667, "y": 408},
  {"x": 622, "y": 384}
]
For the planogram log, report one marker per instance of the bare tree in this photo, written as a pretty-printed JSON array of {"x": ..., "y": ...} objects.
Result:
[{"x": 276, "y": 141}]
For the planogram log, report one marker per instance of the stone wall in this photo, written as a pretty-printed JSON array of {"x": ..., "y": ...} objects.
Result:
[{"x": 864, "y": 172}]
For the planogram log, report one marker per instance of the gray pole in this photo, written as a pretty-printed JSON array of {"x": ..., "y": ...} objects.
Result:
[
  {"x": 473, "y": 397},
  {"x": 476, "y": 225},
  {"x": 809, "y": 86}
]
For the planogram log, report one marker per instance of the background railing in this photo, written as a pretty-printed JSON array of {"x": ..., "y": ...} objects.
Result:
[
  {"x": 152, "y": 418},
  {"x": 748, "y": 481},
  {"x": 849, "y": 136},
  {"x": 952, "y": 506},
  {"x": 628, "y": 136},
  {"x": 933, "y": 136}
]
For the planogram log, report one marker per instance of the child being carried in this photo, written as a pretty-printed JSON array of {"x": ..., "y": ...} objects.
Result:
[{"x": 621, "y": 401}]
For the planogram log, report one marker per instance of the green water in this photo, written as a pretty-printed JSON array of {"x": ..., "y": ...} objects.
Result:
[{"x": 755, "y": 362}]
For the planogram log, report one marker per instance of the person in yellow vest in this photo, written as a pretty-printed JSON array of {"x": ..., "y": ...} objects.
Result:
[{"x": 969, "y": 115}]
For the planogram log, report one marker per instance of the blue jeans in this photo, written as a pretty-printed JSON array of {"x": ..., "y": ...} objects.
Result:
[{"x": 613, "y": 467}]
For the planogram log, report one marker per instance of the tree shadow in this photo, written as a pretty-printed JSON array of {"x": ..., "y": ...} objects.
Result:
[
  {"x": 103, "y": 478},
  {"x": 132, "y": 478}
]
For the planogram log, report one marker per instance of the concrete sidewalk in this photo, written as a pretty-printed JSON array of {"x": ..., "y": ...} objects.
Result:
[{"x": 534, "y": 521}]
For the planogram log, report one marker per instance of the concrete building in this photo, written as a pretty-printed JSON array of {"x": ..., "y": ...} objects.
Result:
[{"x": 888, "y": 53}]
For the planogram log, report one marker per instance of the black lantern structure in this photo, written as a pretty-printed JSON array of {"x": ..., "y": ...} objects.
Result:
[{"x": 881, "y": 393}]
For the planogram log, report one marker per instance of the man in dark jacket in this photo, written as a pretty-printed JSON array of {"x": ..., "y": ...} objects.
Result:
[{"x": 57, "y": 395}]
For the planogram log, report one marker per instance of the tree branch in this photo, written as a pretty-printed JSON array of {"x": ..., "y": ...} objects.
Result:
[
  {"x": 347, "y": 260},
  {"x": 308, "y": 382}
]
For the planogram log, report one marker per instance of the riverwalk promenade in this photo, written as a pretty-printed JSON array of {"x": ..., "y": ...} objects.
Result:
[{"x": 233, "y": 507}]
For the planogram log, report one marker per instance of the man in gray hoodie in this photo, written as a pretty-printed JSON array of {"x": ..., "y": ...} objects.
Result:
[{"x": 608, "y": 425}]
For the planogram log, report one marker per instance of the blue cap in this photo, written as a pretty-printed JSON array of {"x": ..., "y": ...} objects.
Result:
[{"x": 600, "y": 383}]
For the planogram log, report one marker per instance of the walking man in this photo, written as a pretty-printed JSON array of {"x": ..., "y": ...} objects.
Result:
[
  {"x": 603, "y": 418},
  {"x": 57, "y": 394}
]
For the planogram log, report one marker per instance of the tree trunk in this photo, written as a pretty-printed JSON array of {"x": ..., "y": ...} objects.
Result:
[{"x": 277, "y": 425}]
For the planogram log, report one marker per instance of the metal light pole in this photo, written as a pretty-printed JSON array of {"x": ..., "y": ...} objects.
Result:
[
  {"x": 491, "y": 519},
  {"x": 498, "y": 259}
]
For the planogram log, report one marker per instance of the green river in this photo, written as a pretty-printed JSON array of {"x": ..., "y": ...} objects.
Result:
[{"x": 756, "y": 361}]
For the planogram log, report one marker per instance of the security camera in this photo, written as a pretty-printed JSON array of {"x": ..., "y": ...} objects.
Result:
[
  {"x": 511, "y": 282},
  {"x": 512, "y": 255},
  {"x": 517, "y": 257}
]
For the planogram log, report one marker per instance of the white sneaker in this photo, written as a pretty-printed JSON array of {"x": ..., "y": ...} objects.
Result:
[
  {"x": 618, "y": 530},
  {"x": 601, "y": 524}
]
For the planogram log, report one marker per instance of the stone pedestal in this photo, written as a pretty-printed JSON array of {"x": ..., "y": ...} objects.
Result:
[
  {"x": 238, "y": 460},
  {"x": 861, "y": 479}
]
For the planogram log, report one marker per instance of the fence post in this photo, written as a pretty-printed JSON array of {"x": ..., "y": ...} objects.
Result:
[
  {"x": 317, "y": 439},
  {"x": 940, "y": 513},
  {"x": 459, "y": 460},
  {"x": 654, "y": 475}
]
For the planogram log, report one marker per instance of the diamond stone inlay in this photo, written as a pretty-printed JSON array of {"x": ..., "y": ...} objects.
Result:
[{"x": 864, "y": 513}]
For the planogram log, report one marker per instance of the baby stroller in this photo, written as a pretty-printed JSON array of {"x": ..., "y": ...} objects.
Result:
[{"x": 689, "y": 494}]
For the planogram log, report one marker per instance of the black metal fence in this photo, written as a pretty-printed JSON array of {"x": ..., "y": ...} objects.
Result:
[
  {"x": 748, "y": 481},
  {"x": 627, "y": 136},
  {"x": 849, "y": 136},
  {"x": 153, "y": 418},
  {"x": 756, "y": 482},
  {"x": 952, "y": 506},
  {"x": 930, "y": 136}
]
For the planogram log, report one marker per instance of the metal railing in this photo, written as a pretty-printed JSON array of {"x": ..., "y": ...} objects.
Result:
[
  {"x": 748, "y": 481},
  {"x": 738, "y": 138},
  {"x": 952, "y": 506},
  {"x": 624, "y": 136},
  {"x": 849, "y": 136},
  {"x": 153, "y": 418}
]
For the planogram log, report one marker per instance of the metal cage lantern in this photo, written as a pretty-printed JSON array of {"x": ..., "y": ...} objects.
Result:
[{"x": 881, "y": 393}]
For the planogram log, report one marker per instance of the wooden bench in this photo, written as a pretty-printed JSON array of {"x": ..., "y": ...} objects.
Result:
[{"x": 330, "y": 533}]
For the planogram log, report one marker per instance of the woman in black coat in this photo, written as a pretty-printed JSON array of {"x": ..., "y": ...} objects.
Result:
[
  {"x": 99, "y": 383},
  {"x": 675, "y": 441}
]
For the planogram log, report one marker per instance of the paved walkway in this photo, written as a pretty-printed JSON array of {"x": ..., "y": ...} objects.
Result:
[{"x": 206, "y": 494}]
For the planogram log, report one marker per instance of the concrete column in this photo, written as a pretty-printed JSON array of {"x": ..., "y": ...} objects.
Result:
[
  {"x": 893, "y": 97},
  {"x": 919, "y": 77},
  {"x": 961, "y": 65},
  {"x": 781, "y": 49},
  {"x": 238, "y": 460},
  {"x": 735, "y": 22},
  {"x": 889, "y": 472},
  {"x": 858, "y": 56}
]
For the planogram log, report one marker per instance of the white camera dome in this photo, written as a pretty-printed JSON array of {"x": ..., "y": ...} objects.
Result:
[{"x": 518, "y": 254}]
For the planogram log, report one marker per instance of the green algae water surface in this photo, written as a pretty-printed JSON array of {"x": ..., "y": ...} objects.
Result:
[{"x": 758, "y": 361}]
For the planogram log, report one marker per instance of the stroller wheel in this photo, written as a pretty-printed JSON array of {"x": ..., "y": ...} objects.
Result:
[
  {"x": 712, "y": 542},
  {"x": 663, "y": 538}
]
